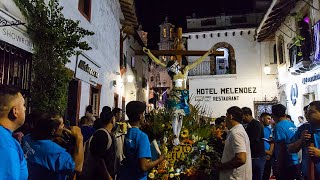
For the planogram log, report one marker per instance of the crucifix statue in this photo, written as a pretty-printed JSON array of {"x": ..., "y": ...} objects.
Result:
[{"x": 178, "y": 71}]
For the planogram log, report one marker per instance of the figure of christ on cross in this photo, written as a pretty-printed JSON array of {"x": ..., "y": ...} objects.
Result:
[{"x": 178, "y": 97}]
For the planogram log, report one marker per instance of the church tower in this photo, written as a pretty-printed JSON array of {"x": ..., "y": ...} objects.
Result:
[{"x": 166, "y": 39}]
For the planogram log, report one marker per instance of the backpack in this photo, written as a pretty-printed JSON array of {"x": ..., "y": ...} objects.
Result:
[{"x": 94, "y": 166}]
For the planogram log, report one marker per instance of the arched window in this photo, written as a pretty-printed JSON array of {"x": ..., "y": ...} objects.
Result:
[{"x": 222, "y": 62}]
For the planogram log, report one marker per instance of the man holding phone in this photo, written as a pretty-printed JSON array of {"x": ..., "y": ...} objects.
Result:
[
  {"x": 46, "y": 159},
  {"x": 307, "y": 138}
]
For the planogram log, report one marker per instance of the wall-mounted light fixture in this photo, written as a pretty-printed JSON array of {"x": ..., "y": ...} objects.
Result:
[
  {"x": 267, "y": 70},
  {"x": 130, "y": 78}
]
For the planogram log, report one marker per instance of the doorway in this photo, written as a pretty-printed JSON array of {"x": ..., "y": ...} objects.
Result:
[
  {"x": 95, "y": 99},
  {"x": 308, "y": 98},
  {"x": 116, "y": 100},
  {"x": 73, "y": 107}
]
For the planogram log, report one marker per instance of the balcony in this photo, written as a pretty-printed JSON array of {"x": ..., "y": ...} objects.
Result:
[
  {"x": 211, "y": 68},
  {"x": 201, "y": 69}
]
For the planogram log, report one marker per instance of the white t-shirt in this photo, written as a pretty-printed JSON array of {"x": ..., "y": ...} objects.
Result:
[{"x": 237, "y": 141}]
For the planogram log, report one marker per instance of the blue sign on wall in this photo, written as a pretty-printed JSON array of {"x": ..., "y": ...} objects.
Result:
[{"x": 294, "y": 94}]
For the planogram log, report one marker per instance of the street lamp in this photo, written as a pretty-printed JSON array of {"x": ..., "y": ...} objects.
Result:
[{"x": 267, "y": 70}]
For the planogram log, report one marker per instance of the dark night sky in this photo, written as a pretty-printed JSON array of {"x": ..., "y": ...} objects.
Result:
[{"x": 151, "y": 13}]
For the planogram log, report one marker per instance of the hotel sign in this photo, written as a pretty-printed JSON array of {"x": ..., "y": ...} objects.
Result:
[{"x": 222, "y": 94}]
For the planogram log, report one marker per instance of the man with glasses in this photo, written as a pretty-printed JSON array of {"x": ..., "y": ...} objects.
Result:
[{"x": 13, "y": 165}]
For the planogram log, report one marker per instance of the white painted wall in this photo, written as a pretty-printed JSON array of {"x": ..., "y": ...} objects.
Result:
[
  {"x": 105, "y": 43},
  {"x": 250, "y": 56},
  {"x": 304, "y": 90},
  {"x": 134, "y": 90},
  {"x": 286, "y": 79}
]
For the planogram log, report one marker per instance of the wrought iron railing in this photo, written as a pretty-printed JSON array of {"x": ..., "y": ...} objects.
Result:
[{"x": 201, "y": 69}]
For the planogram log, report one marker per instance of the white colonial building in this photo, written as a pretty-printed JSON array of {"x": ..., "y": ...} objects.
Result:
[
  {"x": 101, "y": 74},
  {"x": 235, "y": 79},
  {"x": 298, "y": 61}
]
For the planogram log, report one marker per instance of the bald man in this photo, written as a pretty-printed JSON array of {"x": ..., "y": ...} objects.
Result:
[{"x": 13, "y": 165}]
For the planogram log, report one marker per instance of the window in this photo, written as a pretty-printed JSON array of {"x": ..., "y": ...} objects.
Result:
[
  {"x": 238, "y": 20},
  {"x": 222, "y": 62},
  {"x": 306, "y": 44},
  {"x": 84, "y": 7},
  {"x": 208, "y": 22},
  {"x": 280, "y": 49},
  {"x": 115, "y": 100},
  {"x": 15, "y": 68},
  {"x": 144, "y": 82},
  {"x": 294, "y": 55},
  {"x": 95, "y": 93},
  {"x": 164, "y": 31},
  {"x": 171, "y": 32},
  {"x": 123, "y": 62},
  {"x": 133, "y": 65},
  {"x": 275, "y": 59}
]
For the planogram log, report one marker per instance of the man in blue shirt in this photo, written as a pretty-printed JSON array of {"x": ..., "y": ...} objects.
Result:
[
  {"x": 265, "y": 119},
  {"x": 137, "y": 146},
  {"x": 46, "y": 159},
  {"x": 13, "y": 165},
  {"x": 302, "y": 139},
  {"x": 287, "y": 164}
]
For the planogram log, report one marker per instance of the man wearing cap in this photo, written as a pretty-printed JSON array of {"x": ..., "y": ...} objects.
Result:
[{"x": 137, "y": 146}]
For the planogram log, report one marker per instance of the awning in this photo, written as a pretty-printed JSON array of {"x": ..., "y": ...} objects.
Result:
[
  {"x": 272, "y": 20},
  {"x": 130, "y": 18}
]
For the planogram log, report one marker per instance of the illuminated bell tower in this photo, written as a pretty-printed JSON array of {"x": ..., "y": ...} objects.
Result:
[{"x": 166, "y": 39}]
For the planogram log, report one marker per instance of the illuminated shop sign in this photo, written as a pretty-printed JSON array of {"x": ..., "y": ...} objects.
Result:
[
  {"x": 84, "y": 66},
  {"x": 311, "y": 79},
  {"x": 87, "y": 70}
]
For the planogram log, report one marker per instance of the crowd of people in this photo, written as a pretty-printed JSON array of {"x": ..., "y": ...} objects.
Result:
[
  {"x": 40, "y": 146},
  {"x": 270, "y": 147}
]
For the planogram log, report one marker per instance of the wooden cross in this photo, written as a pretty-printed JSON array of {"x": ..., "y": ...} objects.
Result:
[{"x": 179, "y": 52}]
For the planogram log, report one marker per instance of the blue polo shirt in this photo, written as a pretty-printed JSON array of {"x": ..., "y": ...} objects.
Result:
[
  {"x": 47, "y": 160},
  {"x": 13, "y": 165},
  {"x": 267, "y": 134},
  {"x": 137, "y": 146},
  {"x": 316, "y": 135},
  {"x": 282, "y": 133}
]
